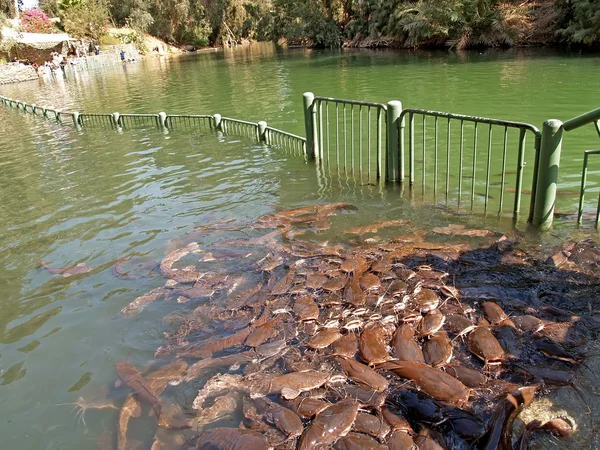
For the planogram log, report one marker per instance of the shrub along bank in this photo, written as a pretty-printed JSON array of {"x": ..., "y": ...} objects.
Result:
[{"x": 332, "y": 23}]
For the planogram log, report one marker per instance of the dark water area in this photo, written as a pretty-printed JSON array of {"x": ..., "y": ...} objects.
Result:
[{"x": 118, "y": 203}]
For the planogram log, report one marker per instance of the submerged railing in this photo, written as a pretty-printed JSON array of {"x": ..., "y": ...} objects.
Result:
[
  {"x": 453, "y": 153},
  {"x": 449, "y": 155},
  {"x": 259, "y": 131},
  {"x": 470, "y": 157},
  {"x": 350, "y": 136}
]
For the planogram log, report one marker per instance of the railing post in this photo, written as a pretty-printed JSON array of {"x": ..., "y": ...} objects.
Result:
[
  {"x": 162, "y": 119},
  {"x": 217, "y": 118},
  {"x": 262, "y": 130},
  {"x": 547, "y": 179},
  {"x": 394, "y": 110},
  {"x": 310, "y": 125},
  {"x": 76, "y": 119}
]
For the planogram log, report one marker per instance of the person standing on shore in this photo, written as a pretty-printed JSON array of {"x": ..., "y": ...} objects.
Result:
[{"x": 122, "y": 55}]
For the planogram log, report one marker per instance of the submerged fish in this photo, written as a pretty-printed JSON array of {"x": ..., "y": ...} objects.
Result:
[{"x": 66, "y": 271}]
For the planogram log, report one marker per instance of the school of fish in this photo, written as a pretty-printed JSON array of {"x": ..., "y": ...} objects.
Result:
[{"x": 283, "y": 342}]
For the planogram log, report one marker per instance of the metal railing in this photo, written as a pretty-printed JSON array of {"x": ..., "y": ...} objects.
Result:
[
  {"x": 176, "y": 122},
  {"x": 190, "y": 122},
  {"x": 284, "y": 140},
  {"x": 458, "y": 149},
  {"x": 382, "y": 140},
  {"x": 573, "y": 124},
  {"x": 349, "y": 135},
  {"x": 583, "y": 187}
]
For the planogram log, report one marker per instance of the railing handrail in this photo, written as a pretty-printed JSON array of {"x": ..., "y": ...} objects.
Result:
[
  {"x": 285, "y": 133},
  {"x": 467, "y": 118},
  {"x": 583, "y": 119},
  {"x": 351, "y": 102},
  {"x": 162, "y": 118}
]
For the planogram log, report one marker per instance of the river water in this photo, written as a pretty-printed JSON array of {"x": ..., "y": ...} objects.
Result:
[{"x": 97, "y": 196}]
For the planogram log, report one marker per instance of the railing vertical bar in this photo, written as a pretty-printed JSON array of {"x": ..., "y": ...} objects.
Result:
[
  {"x": 520, "y": 165},
  {"x": 345, "y": 139},
  {"x": 360, "y": 141},
  {"x": 489, "y": 165},
  {"x": 328, "y": 133},
  {"x": 411, "y": 147},
  {"x": 424, "y": 153},
  {"x": 474, "y": 166},
  {"x": 352, "y": 136},
  {"x": 448, "y": 161},
  {"x": 435, "y": 157},
  {"x": 337, "y": 132},
  {"x": 320, "y": 114},
  {"x": 369, "y": 143},
  {"x": 504, "y": 150},
  {"x": 582, "y": 191},
  {"x": 379, "y": 143},
  {"x": 460, "y": 161}
]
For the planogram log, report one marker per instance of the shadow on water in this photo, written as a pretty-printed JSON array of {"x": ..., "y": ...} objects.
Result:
[{"x": 551, "y": 298}]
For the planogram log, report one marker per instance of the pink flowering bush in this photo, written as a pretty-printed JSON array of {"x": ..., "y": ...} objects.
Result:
[{"x": 36, "y": 21}]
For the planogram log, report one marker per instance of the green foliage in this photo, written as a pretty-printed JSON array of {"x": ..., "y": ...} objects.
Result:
[
  {"x": 7, "y": 8},
  {"x": 454, "y": 23},
  {"x": 64, "y": 5},
  {"x": 413, "y": 23},
  {"x": 108, "y": 39},
  {"x": 306, "y": 20},
  {"x": 84, "y": 18},
  {"x": 584, "y": 26},
  {"x": 50, "y": 7},
  {"x": 132, "y": 37}
]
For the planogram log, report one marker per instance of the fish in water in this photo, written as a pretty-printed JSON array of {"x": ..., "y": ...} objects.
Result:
[
  {"x": 130, "y": 376},
  {"x": 77, "y": 269}
]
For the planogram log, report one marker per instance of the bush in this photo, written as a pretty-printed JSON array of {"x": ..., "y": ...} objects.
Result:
[
  {"x": 85, "y": 20},
  {"x": 108, "y": 39},
  {"x": 36, "y": 21}
]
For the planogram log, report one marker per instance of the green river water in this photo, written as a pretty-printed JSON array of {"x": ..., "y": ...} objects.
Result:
[{"x": 96, "y": 196}]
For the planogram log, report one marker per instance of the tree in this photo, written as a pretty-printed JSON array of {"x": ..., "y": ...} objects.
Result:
[
  {"x": 584, "y": 26},
  {"x": 82, "y": 18}
]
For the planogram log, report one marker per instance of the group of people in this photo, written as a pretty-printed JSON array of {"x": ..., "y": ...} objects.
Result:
[{"x": 76, "y": 55}]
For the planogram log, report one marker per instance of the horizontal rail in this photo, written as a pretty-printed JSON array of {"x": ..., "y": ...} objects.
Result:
[
  {"x": 285, "y": 133},
  {"x": 583, "y": 119},
  {"x": 467, "y": 118},
  {"x": 350, "y": 102}
]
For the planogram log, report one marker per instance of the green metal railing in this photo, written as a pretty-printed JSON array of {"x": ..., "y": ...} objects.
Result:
[
  {"x": 458, "y": 148},
  {"x": 583, "y": 187},
  {"x": 443, "y": 152},
  {"x": 549, "y": 163},
  {"x": 284, "y": 140},
  {"x": 349, "y": 136},
  {"x": 176, "y": 122},
  {"x": 190, "y": 123}
]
